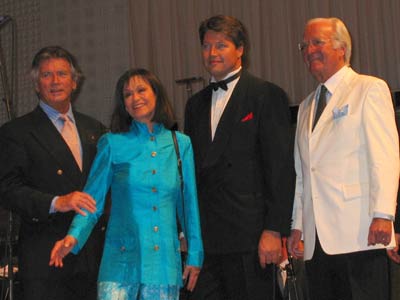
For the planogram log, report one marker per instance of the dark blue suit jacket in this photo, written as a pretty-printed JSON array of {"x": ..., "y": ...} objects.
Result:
[{"x": 37, "y": 165}]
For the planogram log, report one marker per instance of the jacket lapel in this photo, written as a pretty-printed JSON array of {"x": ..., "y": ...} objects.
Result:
[
  {"x": 88, "y": 141},
  {"x": 225, "y": 126},
  {"x": 337, "y": 100},
  {"x": 205, "y": 119},
  {"x": 308, "y": 116},
  {"x": 51, "y": 140}
]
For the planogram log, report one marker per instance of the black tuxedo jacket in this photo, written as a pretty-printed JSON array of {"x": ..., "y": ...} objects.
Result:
[
  {"x": 37, "y": 165},
  {"x": 397, "y": 217},
  {"x": 245, "y": 175}
]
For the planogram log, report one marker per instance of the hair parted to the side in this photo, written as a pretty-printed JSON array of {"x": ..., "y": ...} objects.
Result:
[
  {"x": 55, "y": 52},
  {"x": 233, "y": 29},
  {"x": 121, "y": 120}
]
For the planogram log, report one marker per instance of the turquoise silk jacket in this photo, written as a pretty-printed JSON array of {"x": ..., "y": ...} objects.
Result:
[{"x": 142, "y": 244}]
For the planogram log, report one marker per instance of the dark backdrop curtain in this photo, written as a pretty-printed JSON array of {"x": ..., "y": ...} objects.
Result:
[{"x": 164, "y": 38}]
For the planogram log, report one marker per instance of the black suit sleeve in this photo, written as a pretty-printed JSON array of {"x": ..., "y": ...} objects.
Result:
[
  {"x": 188, "y": 116},
  {"x": 36, "y": 165},
  {"x": 16, "y": 191},
  {"x": 277, "y": 159},
  {"x": 397, "y": 217}
]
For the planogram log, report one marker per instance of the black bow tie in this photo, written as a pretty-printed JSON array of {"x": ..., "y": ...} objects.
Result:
[{"x": 223, "y": 84}]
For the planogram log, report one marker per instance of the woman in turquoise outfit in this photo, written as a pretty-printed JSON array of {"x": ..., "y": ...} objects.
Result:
[{"x": 137, "y": 161}]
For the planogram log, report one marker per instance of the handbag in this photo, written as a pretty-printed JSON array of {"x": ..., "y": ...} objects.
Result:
[{"x": 183, "y": 293}]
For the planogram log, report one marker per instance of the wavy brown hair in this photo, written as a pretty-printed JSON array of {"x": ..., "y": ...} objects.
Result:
[
  {"x": 121, "y": 120},
  {"x": 233, "y": 29}
]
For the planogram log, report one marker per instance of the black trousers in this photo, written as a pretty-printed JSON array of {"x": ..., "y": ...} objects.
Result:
[
  {"x": 78, "y": 287},
  {"x": 354, "y": 276},
  {"x": 234, "y": 277}
]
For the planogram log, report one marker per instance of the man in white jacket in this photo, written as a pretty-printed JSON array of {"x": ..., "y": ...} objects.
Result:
[{"x": 347, "y": 168}]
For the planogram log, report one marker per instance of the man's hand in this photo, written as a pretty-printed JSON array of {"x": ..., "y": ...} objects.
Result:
[
  {"x": 380, "y": 232},
  {"x": 295, "y": 245},
  {"x": 75, "y": 201},
  {"x": 60, "y": 250},
  {"x": 393, "y": 253},
  {"x": 269, "y": 248}
]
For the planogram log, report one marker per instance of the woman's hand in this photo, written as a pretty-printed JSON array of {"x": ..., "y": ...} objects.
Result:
[
  {"x": 61, "y": 249},
  {"x": 191, "y": 274}
]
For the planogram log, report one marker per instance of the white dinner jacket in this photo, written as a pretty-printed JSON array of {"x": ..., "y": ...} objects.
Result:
[{"x": 348, "y": 167}]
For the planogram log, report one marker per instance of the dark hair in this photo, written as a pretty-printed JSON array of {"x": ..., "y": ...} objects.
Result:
[
  {"x": 232, "y": 28},
  {"x": 121, "y": 120},
  {"x": 55, "y": 52}
]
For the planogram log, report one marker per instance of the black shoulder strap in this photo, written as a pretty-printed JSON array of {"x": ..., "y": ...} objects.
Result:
[{"x": 178, "y": 157}]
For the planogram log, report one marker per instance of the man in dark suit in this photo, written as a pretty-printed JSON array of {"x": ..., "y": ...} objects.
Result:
[
  {"x": 240, "y": 131},
  {"x": 394, "y": 254},
  {"x": 40, "y": 176}
]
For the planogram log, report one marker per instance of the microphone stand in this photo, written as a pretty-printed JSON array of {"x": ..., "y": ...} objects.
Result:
[
  {"x": 291, "y": 280},
  {"x": 10, "y": 115},
  {"x": 188, "y": 82}
]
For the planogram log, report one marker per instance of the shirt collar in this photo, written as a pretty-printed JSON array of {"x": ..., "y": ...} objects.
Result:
[
  {"x": 332, "y": 83},
  {"x": 142, "y": 127},
  {"x": 228, "y": 75},
  {"x": 54, "y": 114}
]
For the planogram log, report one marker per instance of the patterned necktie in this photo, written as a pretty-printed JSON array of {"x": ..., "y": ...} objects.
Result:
[
  {"x": 223, "y": 84},
  {"x": 70, "y": 135},
  {"x": 321, "y": 104}
]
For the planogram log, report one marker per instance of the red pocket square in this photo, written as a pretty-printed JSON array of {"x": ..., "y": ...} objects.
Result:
[{"x": 247, "y": 117}]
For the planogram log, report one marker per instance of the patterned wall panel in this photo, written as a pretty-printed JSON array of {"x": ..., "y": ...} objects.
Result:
[
  {"x": 26, "y": 19},
  {"x": 96, "y": 32}
]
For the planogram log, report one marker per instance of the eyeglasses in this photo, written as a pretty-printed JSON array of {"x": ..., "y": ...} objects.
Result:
[{"x": 314, "y": 42}]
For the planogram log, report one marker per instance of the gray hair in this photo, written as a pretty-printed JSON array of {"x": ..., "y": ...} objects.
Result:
[
  {"x": 341, "y": 36},
  {"x": 55, "y": 52}
]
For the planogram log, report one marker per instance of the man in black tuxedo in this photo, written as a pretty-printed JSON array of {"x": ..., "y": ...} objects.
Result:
[
  {"x": 240, "y": 130},
  {"x": 38, "y": 177},
  {"x": 394, "y": 254}
]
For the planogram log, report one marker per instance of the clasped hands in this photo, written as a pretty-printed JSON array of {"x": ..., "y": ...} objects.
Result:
[{"x": 269, "y": 248}]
